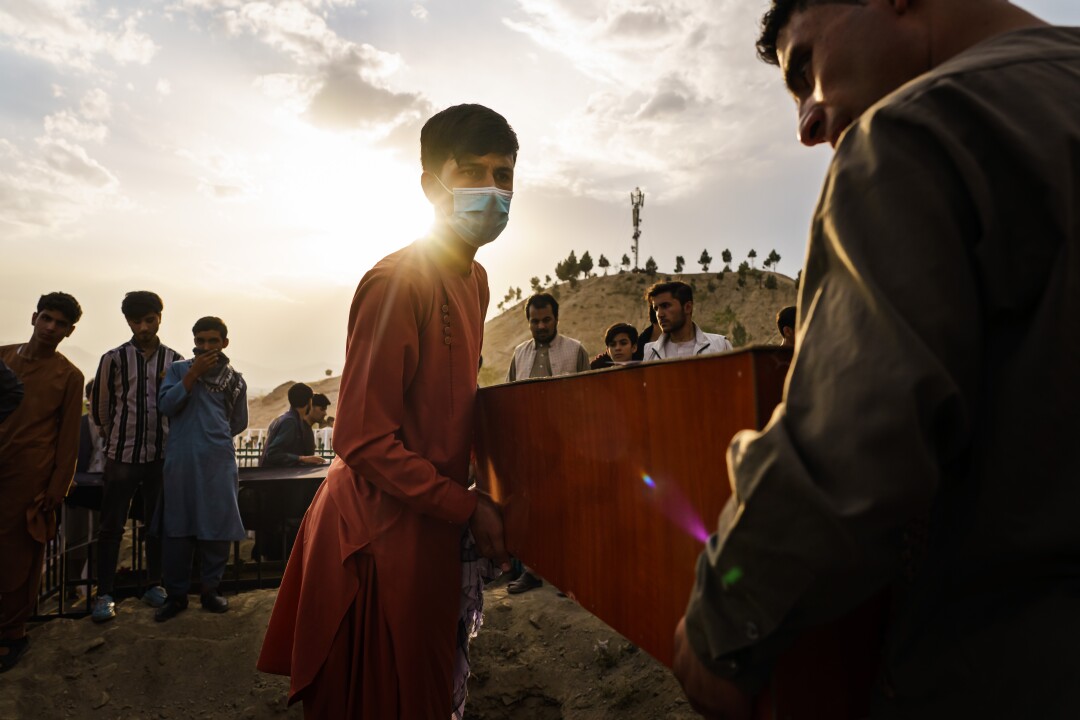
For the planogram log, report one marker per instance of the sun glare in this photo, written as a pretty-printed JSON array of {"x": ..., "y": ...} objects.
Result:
[{"x": 352, "y": 203}]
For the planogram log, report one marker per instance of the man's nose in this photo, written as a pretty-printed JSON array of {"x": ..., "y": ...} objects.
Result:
[{"x": 813, "y": 124}]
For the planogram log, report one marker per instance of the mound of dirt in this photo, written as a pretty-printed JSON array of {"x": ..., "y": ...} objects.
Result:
[{"x": 539, "y": 656}]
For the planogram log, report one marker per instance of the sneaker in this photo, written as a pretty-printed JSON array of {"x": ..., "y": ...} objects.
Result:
[
  {"x": 155, "y": 596},
  {"x": 104, "y": 609}
]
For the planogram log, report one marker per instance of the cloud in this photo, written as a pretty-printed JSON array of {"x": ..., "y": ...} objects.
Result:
[
  {"x": 52, "y": 186},
  {"x": 163, "y": 87},
  {"x": 221, "y": 176},
  {"x": 73, "y": 165},
  {"x": 72, "y": 33},
  {"x": 66, "y": 123},
  {"x": 419, "y": 11},
  {"x": 96, "y": 105},
  {"x": 335, "y": 83},
  {"x": 677, "y": 94},
  {"x": 345, "y": 101},
  {"x": 640, "y": 21}
]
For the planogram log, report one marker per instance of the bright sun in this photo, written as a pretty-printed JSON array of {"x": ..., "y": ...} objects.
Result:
[{"x": 356, "y": 202}]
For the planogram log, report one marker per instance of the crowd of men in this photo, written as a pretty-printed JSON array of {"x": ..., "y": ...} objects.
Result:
[
  {"x": 921, "y": 446},
  {"x": 165, "y": 425}
]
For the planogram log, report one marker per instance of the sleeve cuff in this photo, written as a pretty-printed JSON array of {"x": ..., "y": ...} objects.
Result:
[{"x": 459, "y": 504}]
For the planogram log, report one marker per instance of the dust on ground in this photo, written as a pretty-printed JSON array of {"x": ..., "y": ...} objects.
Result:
[{"x": 539, "y": 656}]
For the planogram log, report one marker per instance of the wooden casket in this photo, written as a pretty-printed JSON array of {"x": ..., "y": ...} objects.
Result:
[{"x": 611, "y": 482}]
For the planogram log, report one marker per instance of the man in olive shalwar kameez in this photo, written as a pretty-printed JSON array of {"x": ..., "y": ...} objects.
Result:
[
  {"x": 39, "y": 445},
  {"x": 368, "y": 616},
  {"x": 925, "y": 439}
]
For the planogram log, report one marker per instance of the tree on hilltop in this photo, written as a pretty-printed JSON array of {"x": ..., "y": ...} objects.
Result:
[
  {"x": 547, "y": 280},
  {"x": 770, "y": 282},
  {"x": 650, "y": 266},
  {"x": 726, "y": 257},
  {"x": 603, "y": 263},
  {"x": 534, "y": 285},
  {"x": 625, "y": 262},
  {"x": 586, "y": 264},
  {"x": 679, "y": 262},
  {"x": 752, "y": 254},
  {"x": 744, "y": 270},
  {"x": 705, "y": 260},
  {"x": 773, "y": 260},
  {"x": 572, "y": 266}
]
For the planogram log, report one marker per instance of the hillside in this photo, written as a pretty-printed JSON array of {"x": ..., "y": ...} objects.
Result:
[{"x": 587, "y": 310}]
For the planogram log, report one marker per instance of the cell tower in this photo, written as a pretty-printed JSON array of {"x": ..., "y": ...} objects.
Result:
[{"x": 637, "y": 201}]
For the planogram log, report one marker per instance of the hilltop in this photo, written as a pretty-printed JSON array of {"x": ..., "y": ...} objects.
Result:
[{"x": 745, "y": 315}]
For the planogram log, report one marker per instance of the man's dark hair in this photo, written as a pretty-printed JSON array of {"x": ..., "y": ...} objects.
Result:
[
  {"x": 621, "y": 329},
  {"x": 543, "y": 300},
  {"x": 320, "y": 400},
  {"x": 140, "y": 303},
  {"x": 210, "y": 323},
  {"x": 464, "y": 130},
  {"x": 62, "y": 303},
  {"x": 89, "y": 388},
  {"x": 777, "y": 18},
  {"x": 300, "y": 395},
  {"x": 679, "y": 290},
  {"x": 785, "y": 318}
]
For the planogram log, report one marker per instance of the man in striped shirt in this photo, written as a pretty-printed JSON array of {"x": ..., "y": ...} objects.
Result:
[{"x": 125, "y": 406}]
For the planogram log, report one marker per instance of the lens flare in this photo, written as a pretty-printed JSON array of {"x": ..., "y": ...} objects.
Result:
[{"x": 675, "y": 506}]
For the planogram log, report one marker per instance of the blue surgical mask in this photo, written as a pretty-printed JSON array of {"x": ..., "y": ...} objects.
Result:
[{"x": 480, "y": 214}]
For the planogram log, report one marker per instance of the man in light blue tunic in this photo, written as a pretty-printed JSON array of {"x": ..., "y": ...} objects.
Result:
[{"x": 206, "y": 403}]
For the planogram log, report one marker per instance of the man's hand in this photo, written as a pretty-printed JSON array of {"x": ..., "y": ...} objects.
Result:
[
  {"x": 709, "y": 694},
  {"x": 51, "y": 501},
  {"x": 312, "y": 460},
  {"x": 200, "y": 366},
  {"x": 487, "y": 529}
]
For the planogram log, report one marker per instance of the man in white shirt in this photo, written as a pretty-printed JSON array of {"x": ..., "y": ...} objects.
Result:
[{"x": 673, "y": 303}]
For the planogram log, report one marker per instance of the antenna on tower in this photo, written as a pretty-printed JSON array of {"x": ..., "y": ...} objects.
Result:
[{"x": 637, "y": 201}]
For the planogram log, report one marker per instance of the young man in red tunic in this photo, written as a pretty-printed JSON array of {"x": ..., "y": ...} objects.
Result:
[{"x": 367, "y": 620}]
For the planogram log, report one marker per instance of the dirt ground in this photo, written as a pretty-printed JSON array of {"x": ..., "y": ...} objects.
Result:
[{"x": 539, "y": 656}]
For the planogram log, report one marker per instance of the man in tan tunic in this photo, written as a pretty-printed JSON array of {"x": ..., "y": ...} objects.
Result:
[
  {"x": 924, "y": 441},
  {"x": 39, "y": 445}
]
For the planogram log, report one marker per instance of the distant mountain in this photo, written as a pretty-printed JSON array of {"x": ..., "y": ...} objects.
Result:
[{"x": 747, "y": 316}]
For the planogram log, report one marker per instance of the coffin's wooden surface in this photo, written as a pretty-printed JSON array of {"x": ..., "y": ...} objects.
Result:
[{"x": 567, "y": 458}]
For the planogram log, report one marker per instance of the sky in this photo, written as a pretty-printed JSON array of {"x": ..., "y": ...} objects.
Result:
[{"x": 252, "y": 160}]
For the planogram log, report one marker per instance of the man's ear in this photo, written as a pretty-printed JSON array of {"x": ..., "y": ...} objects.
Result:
[
  {"x": 431, "y": 186},
  {"x": 225, "y": 343},
  {"x": 33, "y": 318}
]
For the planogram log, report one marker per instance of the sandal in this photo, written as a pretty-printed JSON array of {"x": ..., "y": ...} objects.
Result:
[{"x": 15, "y": 650}]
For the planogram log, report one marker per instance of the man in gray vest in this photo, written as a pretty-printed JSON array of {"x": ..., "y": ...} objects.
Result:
[{"x": 548, "y": 354}]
